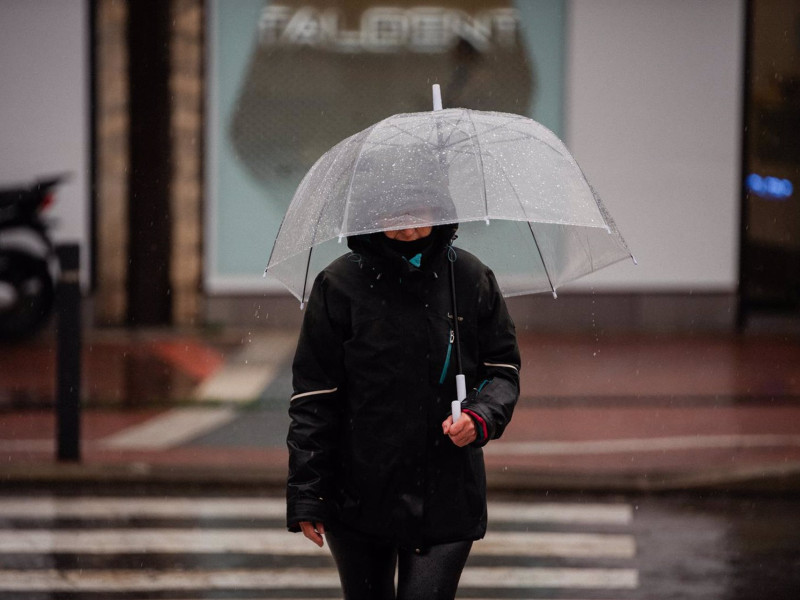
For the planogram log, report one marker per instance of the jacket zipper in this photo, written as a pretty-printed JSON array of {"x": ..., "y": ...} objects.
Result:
[{"x": 447, "y": 357}]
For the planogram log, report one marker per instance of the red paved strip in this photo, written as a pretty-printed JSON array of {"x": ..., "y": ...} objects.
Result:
[{"x": 190, "y": 355}]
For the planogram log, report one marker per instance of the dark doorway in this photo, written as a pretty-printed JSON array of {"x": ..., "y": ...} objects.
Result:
[
  {"x": 149, "y": 301},
  {"x": 770, "y": 260}
]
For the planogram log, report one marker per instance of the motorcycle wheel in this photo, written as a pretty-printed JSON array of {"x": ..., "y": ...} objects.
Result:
[{"x": 28, "y": 295}]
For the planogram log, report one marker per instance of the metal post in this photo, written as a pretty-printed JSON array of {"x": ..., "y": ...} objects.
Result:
[{"x": 68, "y": 355}]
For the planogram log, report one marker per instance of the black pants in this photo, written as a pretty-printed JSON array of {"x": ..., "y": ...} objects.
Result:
[{"x": 367, "y": 567}]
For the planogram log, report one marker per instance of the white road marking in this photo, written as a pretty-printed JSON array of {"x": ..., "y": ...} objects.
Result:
[
  {"x": 657, "y": 444},
  {"x": 143, "y": 580},
  {"x": 508, "y": 577},
  {"x": 187, "y": 541},
  {"x": 248, "y": 372},
  {"x": 564, "y": 545},
  {"x": 271, "y": 508},
  {"x": 183, "y": 541},
  {"x": 606, "y": 514},
  {"x": 149, "y": 580},
  {"x": 276, "y": 541},
  {"x": 236, "y": 383},
  {"x": 149, "y": 507},
  {"x": 171, "y": 429}
]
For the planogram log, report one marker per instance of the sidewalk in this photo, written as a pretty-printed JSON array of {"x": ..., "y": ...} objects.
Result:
[{"x": 644, "y": 413}]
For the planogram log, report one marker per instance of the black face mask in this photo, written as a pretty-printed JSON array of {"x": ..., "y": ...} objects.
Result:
[{"x": 408, "y": 249}]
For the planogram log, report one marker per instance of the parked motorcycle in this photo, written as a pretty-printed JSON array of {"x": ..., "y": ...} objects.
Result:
[{"x": 28, "y": 261}]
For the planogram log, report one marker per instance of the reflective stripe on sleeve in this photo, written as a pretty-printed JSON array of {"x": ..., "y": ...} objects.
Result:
[
  {"x": 502, "y": 365},
  {"x": 314, "y": 393}
]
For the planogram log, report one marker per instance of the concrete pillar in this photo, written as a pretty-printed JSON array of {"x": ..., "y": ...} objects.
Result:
[{"x": 112, "y": 161}]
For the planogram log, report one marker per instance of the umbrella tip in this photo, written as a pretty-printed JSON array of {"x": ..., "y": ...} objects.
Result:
[
  {"x": 635, "y": 262},
  {"x": 555, "y": 295},
  {"x": 437, "y": 97}
]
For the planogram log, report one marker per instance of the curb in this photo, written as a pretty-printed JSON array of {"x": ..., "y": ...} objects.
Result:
[{"x": 771, "y": 480}]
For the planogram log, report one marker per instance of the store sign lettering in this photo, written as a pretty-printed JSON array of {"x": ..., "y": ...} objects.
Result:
[{"x": 388, "y": 29}]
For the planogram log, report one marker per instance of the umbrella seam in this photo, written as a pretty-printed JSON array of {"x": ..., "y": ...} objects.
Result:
[
  {"x": 468, "y": 220},
  {"x": 306, "y": 178},
  {"x": 306, "y": 181},
  {"x": 539, "y": 250},
  {"x": 481, "y": 166},
  {"x": 305, "y": 276},
  {"x": 313, "y": 238},
  {"x": 454, "y": 128},
  {"x": 352, "y": 177}
]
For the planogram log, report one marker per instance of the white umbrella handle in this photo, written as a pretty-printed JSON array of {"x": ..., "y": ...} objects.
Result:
[{"x": 461, "y": 394}]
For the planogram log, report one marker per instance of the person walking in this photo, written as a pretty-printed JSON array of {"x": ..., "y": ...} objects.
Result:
[{"x": 376, "y": 464}]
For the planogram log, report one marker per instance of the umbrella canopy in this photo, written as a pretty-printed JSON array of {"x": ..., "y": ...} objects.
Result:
[{"x": 523, "y": 204}]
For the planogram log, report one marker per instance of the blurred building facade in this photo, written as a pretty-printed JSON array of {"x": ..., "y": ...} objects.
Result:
[
  {"x": 770, "y": 263},
  {"x": 683, "y": 117},
  {"x": 148, "y": 117}
]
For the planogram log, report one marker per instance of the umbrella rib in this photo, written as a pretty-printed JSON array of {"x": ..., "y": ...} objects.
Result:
[
  {"x": 306, "y": 181},
  {"x": 506, "y": 125},
  {"x": 272, "y": 251},
  {"x": 305, "y": 277},
  {"x": 308, "y": 260},
  {"x": 304, "y": 184},
  {"x": 419, "y": 138},
  {"x": 455, "y": 126},
  {"x": 544, "y": 264},
  {"x": 400, "y": 131},
  {"x": 397, "y": 133},
  {"x": 530, "y": 227},
  {"x": 526, "y": 136},
  {"x": 352, "y": 177},
  {"x": 477, "y": 143},
  {"x": 408, "y": 133}
]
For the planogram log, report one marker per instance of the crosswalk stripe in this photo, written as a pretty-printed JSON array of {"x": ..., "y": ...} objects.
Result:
[
  {"x": 507, "y": 577},
  {"x": 272, "y": 508},
  {"x": 274, "y": 541},
  {"x": 597, "y": 513},
  {"x": 235, "y": 543},
  {"x": 147, "y": 580},
  {"x": 95, "y": 507},
  {"x": 572, "y": 545}
]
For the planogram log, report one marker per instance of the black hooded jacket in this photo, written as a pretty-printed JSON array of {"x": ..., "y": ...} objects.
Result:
[{"x": 373, "y": 378}]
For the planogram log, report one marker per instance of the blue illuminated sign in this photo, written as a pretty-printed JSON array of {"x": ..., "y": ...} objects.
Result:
[{"x": 770, "y": 188}]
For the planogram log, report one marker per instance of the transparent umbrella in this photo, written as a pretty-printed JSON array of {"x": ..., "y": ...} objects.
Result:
[{"x": 523, "y": 205}]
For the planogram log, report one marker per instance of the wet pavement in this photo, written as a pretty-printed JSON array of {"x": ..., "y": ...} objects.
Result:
[
  {"x": 713, "y": 547},
  {"x": 169, "y": 541},
  {"x": 624, "y": 413}
]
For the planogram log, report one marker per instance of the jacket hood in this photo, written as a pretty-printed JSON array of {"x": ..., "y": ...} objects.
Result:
[{"x": 377, "y": 247}]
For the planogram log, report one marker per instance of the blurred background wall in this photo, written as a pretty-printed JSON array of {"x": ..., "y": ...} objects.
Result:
[{"x": 194, "y": 120}]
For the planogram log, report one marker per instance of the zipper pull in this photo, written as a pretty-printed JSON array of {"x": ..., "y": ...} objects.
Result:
[{"x": 452, "y": 336}]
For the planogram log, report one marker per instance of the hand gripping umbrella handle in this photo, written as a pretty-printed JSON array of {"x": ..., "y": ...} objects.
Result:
[{"x": 461, "y": 394}]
